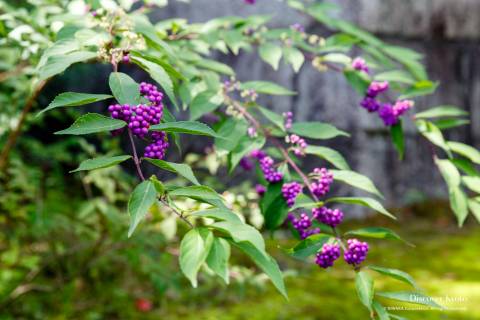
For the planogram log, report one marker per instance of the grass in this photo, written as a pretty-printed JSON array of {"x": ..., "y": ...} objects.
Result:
[{"x": 444, "y": 262}]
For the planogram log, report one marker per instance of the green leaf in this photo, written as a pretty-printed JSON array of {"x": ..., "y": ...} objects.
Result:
[
  {"x": 217, "y": 259},
  {"x": 317, "y": 130},
  {"x": 362, "y": 201},
  {"x": 396, "y": 274},
  {"x": 188, "y": 127},
  {"x": 276, "y": 213},
  {"x": 421, "y": 88},
  {"x": 399, "y": 76},
  {"x": 474, "y": 206},
  {"x": 124, "y": 88},
  {"x": 93, "y": 123},
  {"x": 466, "y": 166},
  {"x": 433, "y": 134},
  {"x": 232, "y": 130},
  {"x": 381, "y": 312},
  {"x": 449, "y": 172},
  {"x": 465, "y": 150},
  {"x": 273, "y": 117},
  {"x": 450, "y": 123},
  {"x": 338, "y": 58},
  {"x": 158, "y": 73},
  {"x": 199, "y": 193},
  {"x": 266, "y": 88},
  {"x": 241, "y": 232},
  {"x": 194, "y": 250},
  {"x": 218, "y": 214},
  {"x": 141, "y": 199},
  {"x": 266, "y": 263},
  {"x": 330, "y": 155},
  {"x": 182, "y": 169},
  {"x": 411, "y": 297},
  {"x": 459, "y": 204},
  {"x": 100, "y": 163},
  {"x": 244, "y": 147},
  {"x": 358, "y": 80},
  {"x": 294, "y": 56},
  {"x": 145, "y": 28},
  {"x": 72, "y": 99},
  {"x": 472, "y": 183},
  {"x": 364, "y": 286},
  {"x": 441, "y": 111},
  {"x": 271, "y": 54},
  {"x": 215, "y": 66},
  {"x": 58, "y": 64},
  {"x": 396, "y": 132},
  {"x": 376, "y": 233},
  {"x": 356, "y": 180},
  {"x": 203, "y": 103},
  {"x": 309, "y": 246}
]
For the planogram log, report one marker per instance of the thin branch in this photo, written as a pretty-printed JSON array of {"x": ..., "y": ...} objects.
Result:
[{"x": 135, "y": 156}]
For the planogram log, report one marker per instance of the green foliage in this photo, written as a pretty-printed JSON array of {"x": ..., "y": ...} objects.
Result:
[{"x": 92, "y": 123}]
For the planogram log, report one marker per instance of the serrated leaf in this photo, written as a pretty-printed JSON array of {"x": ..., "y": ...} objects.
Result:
[
  {"x": 441, "y": 111},
  {"x": 433, "y": 134},
  {"x": 474, "y": 206},
  {"x": 317, "y": 130},
  {"x": 194, "y": 249},
  {"x": 180, "y": 168},
  {"x": 294, "y": 56},
  {"x": 356, "y": 180},
  {"x": 421, "y": 88},
  {"x": 364, "y": 286},
  {"x": 73, "y": 99},
  {"x": 449, "y": 172},
  {"x": 100, "y": 163},
  {"x": 266, "y": 88},
  {"x": 271, "y": 54},
  {"x": 187, "y": 127},
  {"x": 459, "y": 204},
  {"x": 274, "y": 117},
  {"x": 217, "y": 259},
  {"x": 232, "y": 130},
  {"x": 141, "y": 199},
  {"x": 124, "y": 88},
  {"x": 330, "y": 155},
  {"x": 93, "y": 123},
  {"x": 241, "y": 232},
  {"x": 266, "y": 263},
  {"x": 396, "y": 274},
  {"x": 337, "y": 58},
  {"x": 215, "y": 66},
  {"x": 362, "y": 201},
  {"x": 411, "y": 297}
]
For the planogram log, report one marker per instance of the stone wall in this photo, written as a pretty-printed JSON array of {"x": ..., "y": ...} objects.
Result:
[{"x": 446, "y": 31}]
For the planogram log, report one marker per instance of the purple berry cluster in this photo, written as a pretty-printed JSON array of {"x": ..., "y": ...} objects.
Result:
[
  {"x": 327, "y": 255},
  {"x": 302, "y": 225},
  {"x": 356, "y": 251},
  {"x": 322, "y": 181},
  {"x": 260, "y": 189},
  {"x": 267, "y": 166},
  {"x": 140, "y": 117},
  {"x": 290, "y": 192},
  {"x": 390, "y": 114},
  {"x": 299, "y": 144},
  {"x": 360, "y": 64},
  {"x": 158, "y": 148},
  {"x": 288, "y": 120},
  {"x": 330, "y": 217}
]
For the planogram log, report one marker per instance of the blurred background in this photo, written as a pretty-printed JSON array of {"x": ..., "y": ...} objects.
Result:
[{"x": 63, "y": 247}]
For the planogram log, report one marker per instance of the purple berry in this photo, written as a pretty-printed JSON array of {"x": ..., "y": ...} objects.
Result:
[
  {"x": 158, "y": 148},
  {"x": 360, "y": 64},
  {"x": 288, "y": 119},
  {"x": 388, "y": 115},
  {"x": 260, "y": 190},
  {"x": 356, "y": 251},
  {"x": 376, "y": 87},
  {"x": 328, "y": 216},
  {"x": 246, "y": 164},
  {"x": 371, "y": 104},
  {"x": 290, "y": 192},
  {"x": 327, "y": 255},
  {"x": 323, "y": 179},
  {"x": 299, "y": 144},
  {"x": 269, "y": 172}
]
